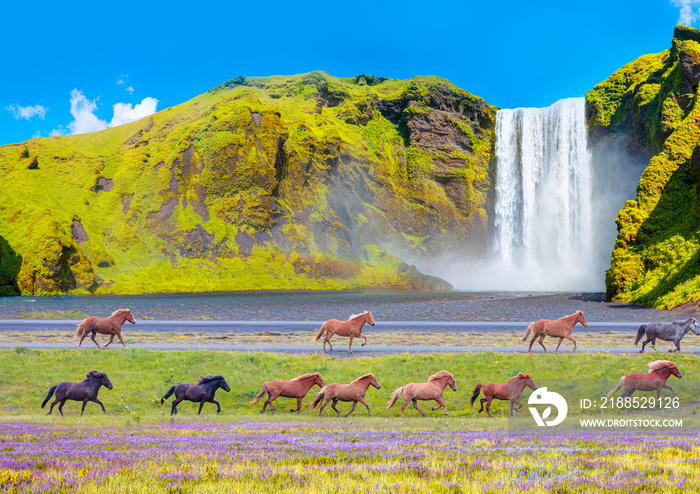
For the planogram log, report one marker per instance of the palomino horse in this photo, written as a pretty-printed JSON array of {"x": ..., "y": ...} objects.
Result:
[
  {"x": 672, "y": 331},
  {"x": 504, "y": 391},
  {"x": 203, "y": 392},
  {"x": 431, "y": 390},
  {"x": 660, "y": 371},
  {"x": 561, "y": 328},
  {"x": 296, "y": 388},
  {"x": 84, "y": 391},
  {"x": 110, "y": 325},
  {"x": 352, "y": 328},
  {"x": 355, "y": 391}
]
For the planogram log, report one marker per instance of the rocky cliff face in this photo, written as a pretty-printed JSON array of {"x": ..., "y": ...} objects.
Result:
[
  {"x": 306, "y": 181},
  {"x": 652, "y": 101}
]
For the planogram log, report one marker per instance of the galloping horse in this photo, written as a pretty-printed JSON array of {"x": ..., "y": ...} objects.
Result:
[
  {"x": 296, "y": 388},
  {"x": 352, "y": 328},
  {"x": 110, "y": 325},
  {"x": 202, "y": 392},
  {"x": 561, "y": 328},
  {"x": 504, "y": 391},
  {"x": 84, "y": 391},
  {"x": 660, "y": 371},
  {"x": 355, "y": 391},
  {"x": 673, "y": 331},
  {"x": 431, "y": 390}
]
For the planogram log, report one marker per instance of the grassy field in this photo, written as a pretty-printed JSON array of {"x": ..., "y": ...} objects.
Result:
[{"x": 141, "y": 377}]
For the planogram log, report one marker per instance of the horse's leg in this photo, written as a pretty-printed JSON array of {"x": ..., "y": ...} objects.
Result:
[
  {"x": 82, "y": 338},
  {"x": 571, "y": 338},
  {"x": 335, "y": 401},
  {"x": 201, "y": 404},
  {"x": 109, "y": 342},
  {"x": 517, "y": 402},
  {"x": 666, "y": 386},
  {"x": 362, "y": 400},
  {"x": 60, "y": 407},
  {"x": 440, "y": 404},
  {"x": 354, "y": 404},
  {"x": 350, "y": 345},
  {"x": 540, "y": 342},
  {"x": 365, "y": 339},
  {"x": 53, "y": 405},
  {"x": 482, "y": 401},
  {"x": 119, "y": 335},
  {"x": 556, "y": 350},
  {"x": 532, "y": 341},
  {"x": 653, "y": 343},
  {"x": 94, "y": 333},
  {"x": 83, "y": 409},
  {"x": 406, "y": 401},
  {"x": 267, "y": 402},
  {"x": 644, "y": 344},
  {"x": 218, "y": 407},
  {"x": 328, "y": 340},
  {"x": 298, "y": 409},
  {"x": 173, "y": 410},
  {"x": 488, "y": 407},
  {"x": 678, "y": 345},
  {"x": 415, "y": 405},
  {"x": 99, "y": 403}
]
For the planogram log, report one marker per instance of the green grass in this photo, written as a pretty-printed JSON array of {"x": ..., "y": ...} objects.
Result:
[{"x": 141, "y": 377}]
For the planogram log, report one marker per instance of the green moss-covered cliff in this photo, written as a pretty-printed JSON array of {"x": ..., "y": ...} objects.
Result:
[
  {"x": 286, "y": 182},
  {"x": 654, "y": 102}
]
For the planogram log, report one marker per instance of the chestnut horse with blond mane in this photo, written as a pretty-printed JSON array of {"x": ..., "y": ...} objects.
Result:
[
  {"x": 296, "y": 388},
  {"x": 560, "y": 328},
  {"x": 352, "y": 328},
  {"x": 355, "y": 391},
  {"x": 431, "y": 390},
  {"x": 510, "y": 391},
  {"x": 660, "y": 371},
  {"x": 109, "y": 325}
]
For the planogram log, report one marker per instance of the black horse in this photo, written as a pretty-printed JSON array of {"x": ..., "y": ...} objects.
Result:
[
  {"x": 672, "y": 331},
  {"x": 202, "y": 392},
  {"x": 84, "y": 391}
]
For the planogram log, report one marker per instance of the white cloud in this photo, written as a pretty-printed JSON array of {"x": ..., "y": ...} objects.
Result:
[
  {"x": 36, "y": 134},
  {"x": 27, "y": 112},
  {"x": 687, "y": 15},
  {"x": 130, "y": 90},
  {"x": 125, "y": 113},
  {"x": 59, "y": 131},
  {"x": 120, "y": 82},
  {"x": 83, "y": 111}
]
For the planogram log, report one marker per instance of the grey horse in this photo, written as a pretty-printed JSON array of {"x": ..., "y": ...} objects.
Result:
[{"x": 668, "y": 331}]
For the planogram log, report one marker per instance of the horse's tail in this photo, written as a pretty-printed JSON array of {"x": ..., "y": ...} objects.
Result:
[
  {"x": 619, "y": 385},
  {"x": 257, "y": 398},
  {"x": 319, "y": 397},
  {"x": 640, "y": 333},
  {"x": 527, "y": 333},
  {"x": 167, "y": 395},
  {"x": 81, "y": 329},
  {"x": 320, "y": 332},
  {"x": 478, "y": 388},
  {"x": 48, "y": 396},
  {"x": 394, "y": 396}
]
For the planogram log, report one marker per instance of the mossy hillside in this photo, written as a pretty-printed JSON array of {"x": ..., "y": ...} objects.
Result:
[
  {"x": 280, "y": 182},
  {"x": 654, "y": 99}
]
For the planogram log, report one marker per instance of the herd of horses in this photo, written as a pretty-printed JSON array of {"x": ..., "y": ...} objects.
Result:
[
  {"x": 298, "y": 388},
  {"x": 432, "y": 390}
]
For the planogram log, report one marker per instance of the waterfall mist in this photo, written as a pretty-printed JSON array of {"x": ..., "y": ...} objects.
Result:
[{"x": 556, "y": 200}]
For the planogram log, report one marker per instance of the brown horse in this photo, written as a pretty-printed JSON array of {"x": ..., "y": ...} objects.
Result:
[
  {"x": 355, "y": 391},
  {"x": 110, "y": 325},
  {"x": 84, "y": 391},
  {"x": 504, "y": 391},
  {"x": 296, "y": 388},
  {"x": 660, "y": 371},
  {"x": 203, "y": 392},
  {"x": 352, "y": 328},
  {"x": 431, "y": 390},
  {"x": 561, "y": 328}
]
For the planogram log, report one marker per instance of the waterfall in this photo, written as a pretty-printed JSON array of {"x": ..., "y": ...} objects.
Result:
[{"x": 544, "y": 227}]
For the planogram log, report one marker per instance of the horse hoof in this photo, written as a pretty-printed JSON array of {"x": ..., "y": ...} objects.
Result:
[{"x": 363, "y": 344}]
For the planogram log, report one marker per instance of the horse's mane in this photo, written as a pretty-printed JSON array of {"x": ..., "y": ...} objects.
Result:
[
  {"x": 363, "y": 377},
  {"x": 440, "y": 375},
  {"x": 119, "y": 311},
  {"x": 306, "y": 376},
  {"x": 357, "y": 316},
  {"x": 661, "y": 364},
  {"x": 520, "y": 375},
  {"x": 208, "y": 379},
  {"x": 94, "y": 374}
]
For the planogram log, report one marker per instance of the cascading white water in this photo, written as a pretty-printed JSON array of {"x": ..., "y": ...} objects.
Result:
[{"x": 544, "y": 231}]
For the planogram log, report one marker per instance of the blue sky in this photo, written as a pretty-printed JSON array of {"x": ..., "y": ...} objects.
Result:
[{"x": 78, "y": 67}]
